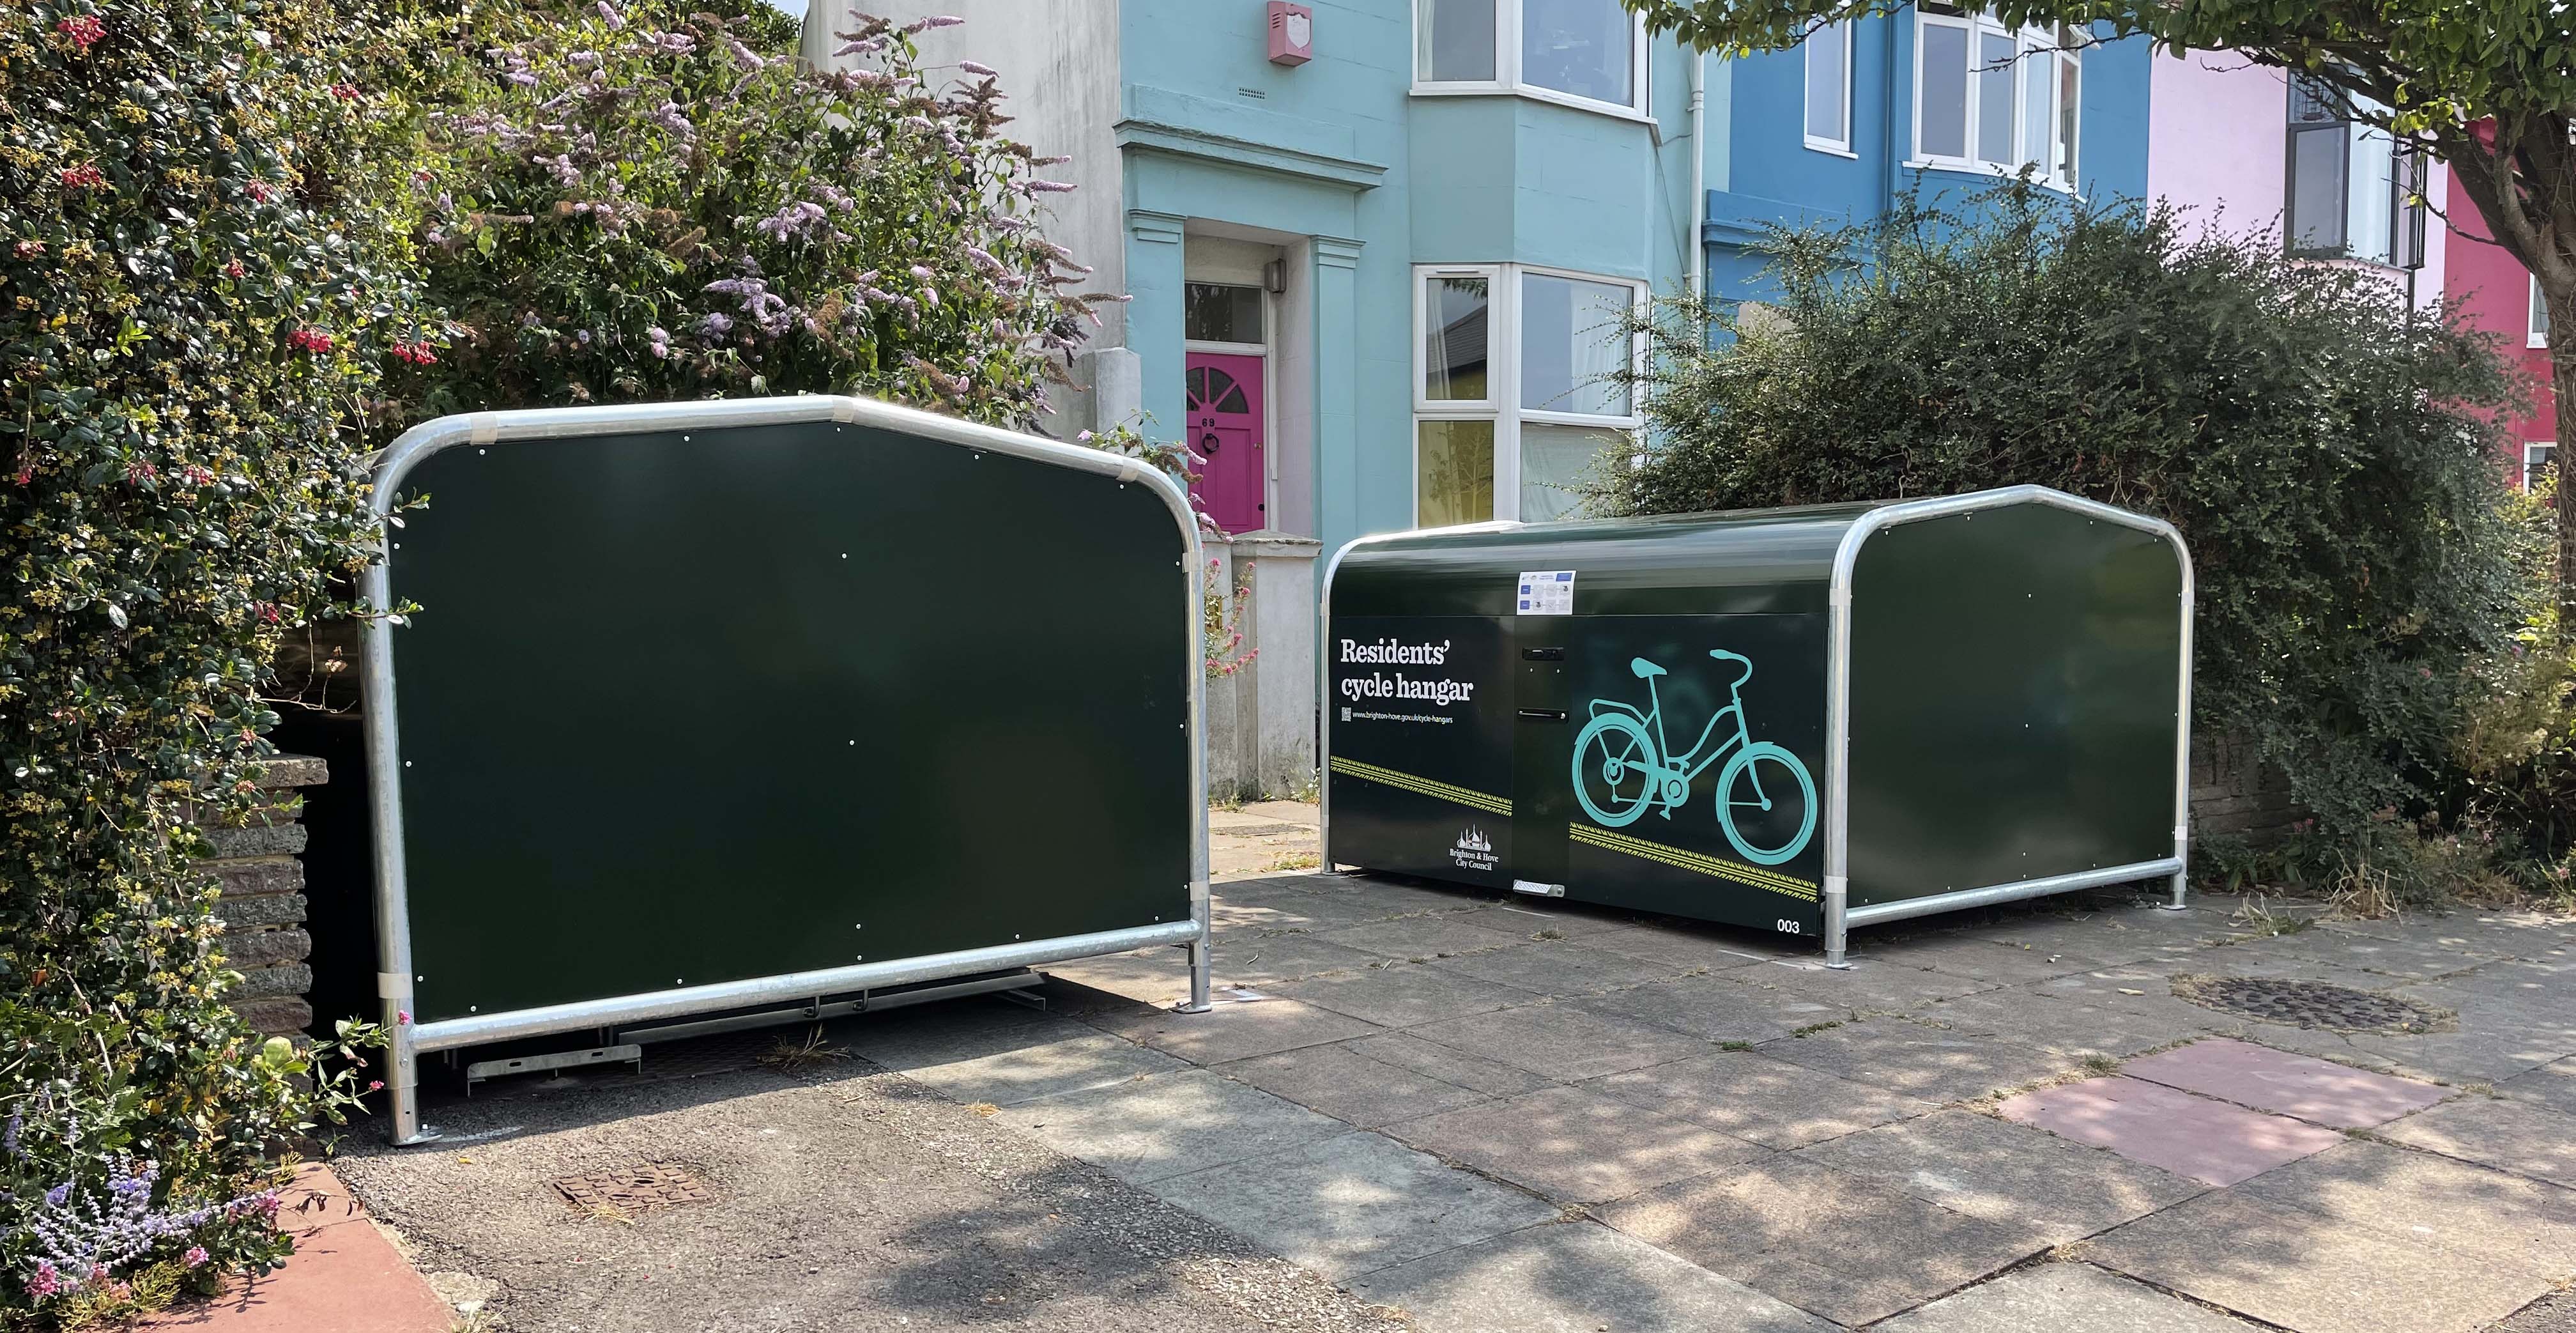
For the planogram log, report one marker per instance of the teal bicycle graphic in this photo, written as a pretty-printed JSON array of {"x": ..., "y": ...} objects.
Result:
[{"x": 1622, "y": 765}]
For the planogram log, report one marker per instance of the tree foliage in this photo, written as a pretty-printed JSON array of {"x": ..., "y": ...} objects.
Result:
[
  {"x": 643, "y": 203},
  {"x": 197, "y": 289},
  {"x": 2328, "y": 458},
  {"x": 2489, "y": 88}
]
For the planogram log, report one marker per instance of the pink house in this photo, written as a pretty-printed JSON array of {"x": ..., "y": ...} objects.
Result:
[{"x": 2493, "y": 290}]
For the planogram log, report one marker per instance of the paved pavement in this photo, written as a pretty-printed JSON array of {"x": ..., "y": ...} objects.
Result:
[{"x": 1495, "y": 1117}]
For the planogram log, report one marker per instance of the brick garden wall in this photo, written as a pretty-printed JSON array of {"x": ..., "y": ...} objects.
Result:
[{"x": 2232, "y": 793}]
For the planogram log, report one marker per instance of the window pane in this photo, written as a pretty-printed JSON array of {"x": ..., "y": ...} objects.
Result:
[
  {"x": 1571, "y": 342},
  {"x": 2539, "y": 314},
  {"x": 2535, "y": 460},
  {"x": 1944, "y": 85},
  {"x": 1995, "y": 70},
  {"x": 1453, "y": 471},
  {"x": 2374, "y": 191},
  {"x": 1454, "y": 341},
  {"x": 2070, "y": 100},
  {"x": 1554, "y": 460},
  {"x": 1457, "y": 41},
  {"x": 2037, "y": 70},
  {"x": 1219, "y": 313},
  {"x": 1827, "y": 99},
  {"x": 1583, "y": 47},
  {"x": 2316, "y": 189}
]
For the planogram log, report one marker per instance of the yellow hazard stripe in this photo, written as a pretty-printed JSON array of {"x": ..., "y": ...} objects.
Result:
[
  {"x": 1473, "y": 800},
  {"x": 1786, "y": 885}
]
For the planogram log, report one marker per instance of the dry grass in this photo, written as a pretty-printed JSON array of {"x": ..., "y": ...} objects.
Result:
[
  {"x": 1294, "y": 861},
  {"x": 789, "y": 1056}
]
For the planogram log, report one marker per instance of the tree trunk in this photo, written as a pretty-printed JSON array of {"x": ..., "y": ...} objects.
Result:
[{"x": 2562, "y": 383}]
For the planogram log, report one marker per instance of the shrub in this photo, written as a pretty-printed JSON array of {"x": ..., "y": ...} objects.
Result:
[
  {"x": 634, "y": 204},
  {"x": 194, "y": 297},
  {"x": 2329, "y": 458}
]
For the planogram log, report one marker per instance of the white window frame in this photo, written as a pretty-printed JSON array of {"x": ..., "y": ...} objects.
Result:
[
  {"x": 1841, "y": 147},
  {"x": 1507, "y": 79},
  {"x": 2536, "y": 330},
  {"x": 2533, "y": 457},
  {"x": 1501, "y": 404},
  {"x": 2029, "y": 43}
]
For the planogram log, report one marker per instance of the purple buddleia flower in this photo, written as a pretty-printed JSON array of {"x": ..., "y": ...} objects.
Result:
[
  {"x": 796, "y": 219},
  {"x": 716, "y": 325},
  {"x": 676, "y": 43},
  {"x": 658, "y": 339},
  {"x": 745, "y": 56},
  {"x": 934, "y": 21},
  {"x": 1049, "y": 187},
  {"x": 565, "y": 173},
  {"x": 979, "y": 70},
  {"x": 616, "y": 22}
]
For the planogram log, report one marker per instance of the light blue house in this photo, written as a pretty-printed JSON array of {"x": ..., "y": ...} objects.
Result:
[{"x": 1378, "y": 287}]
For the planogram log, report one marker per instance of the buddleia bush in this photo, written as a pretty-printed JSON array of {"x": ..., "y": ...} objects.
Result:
[
  {"x": 2330, "y": 457},
  {"x": 639, "y": 202},
  {"x": 195, "y": 302}
]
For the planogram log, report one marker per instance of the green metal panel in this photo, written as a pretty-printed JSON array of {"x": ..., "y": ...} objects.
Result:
[
  {"x": 756, "y": 700},
  {"x": 2014, "y": 686},
  {"x": 1768, "y": 561}
]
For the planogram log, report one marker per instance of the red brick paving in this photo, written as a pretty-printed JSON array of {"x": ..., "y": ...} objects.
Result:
[{"x": 345, "y": 1277}]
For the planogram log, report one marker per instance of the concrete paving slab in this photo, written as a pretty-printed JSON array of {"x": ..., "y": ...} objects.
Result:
[
  {"x": 1236, "y": 1030},
  {"x": 1015, "y": 1064},
  {"x": 1575, "y": 1145},
  {"x": 1917, "y": 1060},
  {"x": 2552, "y": 1086},
  {"x": 1752, "y": 1096},
  {"x": 1267, "y": 960},
  {"x": 1564, "y": 921},
  {"x": 1401, "y": 995},
  {"x": 2403, "y": 959},
  {"x": 2056, "y": 1298},
  {"x": 1563, "y": 1041},
  {"x": 1347, "y": 1085},
  {"x": 2503, "y": 1133},
  {"x": 2307, "y": 1272},
  {"x": 1421, "y": 938},
  {"x": 2421, "y": 1199},
  {"x": 2554, "y": 1313},
  {"x": 1869, "y": 987},
  {"x": 1687, "y": 945},
  {"x": 2499, "y": 934},
  {"x": 1575, "y": 1277},
  {"x": 2503, "y": 1024},
  {"x": 1716, "y": 1007},
  {"x": 1976, "y": 958},
  {"x": 1433, "y": 1060},
  {"x": 2004, "y": 1172},
  {"x": 1557, "y": 968},
  {"x": 2292, "y": 1085},
  {"x": 1151, "y": 1129},
  {"x": 1230, "y": 912},
  {"x": 2191, "y": 1136},
  {"x": 1354, "y": 1204},
  {"x": 2064, "y": 1027},
  {"x": 1156, "y": 976},
  {"x": 1825, "y": 1242}
]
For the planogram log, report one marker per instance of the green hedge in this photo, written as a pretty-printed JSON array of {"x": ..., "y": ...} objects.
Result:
[{"x": 2331, "y": 460}]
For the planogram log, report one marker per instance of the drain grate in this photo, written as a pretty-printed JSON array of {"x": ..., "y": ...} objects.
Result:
[
  {"x": 2309, "y": 1004},
  {"x": 639, "y": 1189}
]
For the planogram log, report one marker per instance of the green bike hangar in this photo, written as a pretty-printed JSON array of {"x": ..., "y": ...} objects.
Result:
[{"x": 1799, "y": 720}]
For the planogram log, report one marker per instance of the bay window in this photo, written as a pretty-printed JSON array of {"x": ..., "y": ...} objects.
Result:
[
  {"x": 1515, "y": 392},
  {"x": 2354, "y": 192},
  {"x": 1991, "y": 98},
  {"x": 1588, "y": 52}
]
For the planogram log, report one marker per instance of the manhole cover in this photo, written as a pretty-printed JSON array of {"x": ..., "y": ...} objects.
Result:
[
  {"x": 2308, "y": 1004},
  {"x": 635, "y": 1190}
]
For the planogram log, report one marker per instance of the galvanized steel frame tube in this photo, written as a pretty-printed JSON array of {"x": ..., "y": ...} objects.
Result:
[{"x": 394, "y": 977}]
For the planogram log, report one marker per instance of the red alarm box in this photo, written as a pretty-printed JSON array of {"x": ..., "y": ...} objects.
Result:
[{"x": 1292, "y": 33}]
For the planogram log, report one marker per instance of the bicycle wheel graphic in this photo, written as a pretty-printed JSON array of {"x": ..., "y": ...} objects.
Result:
[
  {"x": 1759, "y": 783},
  {"x": 1614, "y": 769}
]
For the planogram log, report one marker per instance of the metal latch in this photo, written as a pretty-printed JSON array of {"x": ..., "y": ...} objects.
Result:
[
  {"x": 1544, "y": 714},
  {"x": 1542, "y": 654},
  {"x": 1536, "y": 889}
]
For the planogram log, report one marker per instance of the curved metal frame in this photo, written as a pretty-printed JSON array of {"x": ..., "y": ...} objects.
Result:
[
  {"x": 394, "y": 974},
  {"x": 1840, "y": 916}
]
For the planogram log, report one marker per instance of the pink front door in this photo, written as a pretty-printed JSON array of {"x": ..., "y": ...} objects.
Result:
[{"x": 1224, "y": 394}]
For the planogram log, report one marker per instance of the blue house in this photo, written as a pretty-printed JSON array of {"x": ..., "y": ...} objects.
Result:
[{"x": 1377, "y": 250}]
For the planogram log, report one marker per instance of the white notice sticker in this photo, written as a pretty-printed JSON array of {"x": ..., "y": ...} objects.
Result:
[{"x": 1547, "y": 592}]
